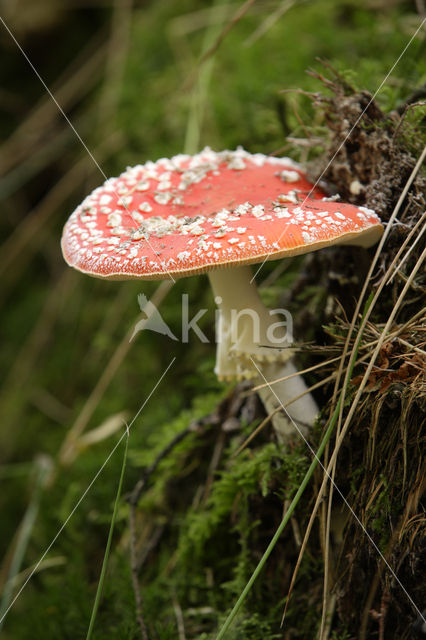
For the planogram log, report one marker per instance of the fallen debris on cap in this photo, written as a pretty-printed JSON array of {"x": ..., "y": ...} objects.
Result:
[{"x": 215, "y": 210}]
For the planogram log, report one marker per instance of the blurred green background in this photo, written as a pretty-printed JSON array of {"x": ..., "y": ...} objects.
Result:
[{"x": 125, "y": 75}]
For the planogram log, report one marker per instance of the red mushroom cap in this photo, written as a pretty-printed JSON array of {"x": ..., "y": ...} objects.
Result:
[{"x": 191, "y": 214}]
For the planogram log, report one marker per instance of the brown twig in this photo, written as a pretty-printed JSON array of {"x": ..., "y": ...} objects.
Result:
[
  {"x": 143, "y": 482},
  {"x": 414, "y": 97}
]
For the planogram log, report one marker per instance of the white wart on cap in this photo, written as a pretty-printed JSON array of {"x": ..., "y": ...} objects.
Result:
[{"x": 191, "y": 214}]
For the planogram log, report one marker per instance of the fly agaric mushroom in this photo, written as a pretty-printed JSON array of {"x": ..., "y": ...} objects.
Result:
[{"x": 218, "y": 213}]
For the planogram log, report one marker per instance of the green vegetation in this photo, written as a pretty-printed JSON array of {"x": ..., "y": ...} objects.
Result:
[{"x": 124, "y": 75}]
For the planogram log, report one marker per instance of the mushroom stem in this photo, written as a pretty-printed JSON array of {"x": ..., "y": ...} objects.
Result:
[{"x": 254, "y": 342}]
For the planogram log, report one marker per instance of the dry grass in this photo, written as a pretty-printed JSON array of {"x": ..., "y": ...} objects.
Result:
[{"x": 376, "y": 457}]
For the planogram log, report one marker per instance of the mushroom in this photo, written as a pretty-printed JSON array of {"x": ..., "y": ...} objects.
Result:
[{"x": 219, "y": 212}]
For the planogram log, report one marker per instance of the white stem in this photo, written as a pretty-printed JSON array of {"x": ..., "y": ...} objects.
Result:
[
  {"x": 299, "y": 415},
  {"x": 251, "y": 338},
  {"x": 243, "y": 325}
]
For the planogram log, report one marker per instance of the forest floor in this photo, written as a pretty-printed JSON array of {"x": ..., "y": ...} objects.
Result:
[{"x": 204, "y": 488}]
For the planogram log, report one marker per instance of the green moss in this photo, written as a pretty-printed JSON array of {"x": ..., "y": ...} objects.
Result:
[{"x": 210, "y": 538}]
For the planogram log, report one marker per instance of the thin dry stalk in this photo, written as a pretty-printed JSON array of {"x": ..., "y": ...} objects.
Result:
[
  {"x": 28, "y": 236},
  {"x": 76, "y": 81},
  {"x": 369, "y": 276},
  {"x": 266, "y": 420},
  {"x": 314, "y": 367},
  {"x": 268, "y": 23},
  {"x": 46, "y": 155},
  {"x": 17, "y": 383},
  {"x": 241, "y": 11},
  {"x": 340, "y": 437},
  {"x": 383, "y": 337},
  {"x": 325, "y": 604},
  {"x": 105, "y": 380},
  {"x": 347, "y": 343},
  {"x": 111, "y": 321},
  {"x": 386, "y": 279},
  {"x": 376, "y": 582}
]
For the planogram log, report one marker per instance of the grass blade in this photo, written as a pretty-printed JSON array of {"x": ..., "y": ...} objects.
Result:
[
  {"x": 293, "y": 504},
  {"x": 108, "y": 545},
  {"x": 42, "y": 469}
]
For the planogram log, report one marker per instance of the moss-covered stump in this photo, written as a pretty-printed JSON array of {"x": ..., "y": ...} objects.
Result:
[{"x": 218, "y": 511}]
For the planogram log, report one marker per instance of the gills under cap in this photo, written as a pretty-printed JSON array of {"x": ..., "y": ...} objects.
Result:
[{"x": 191, "y": 214}]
